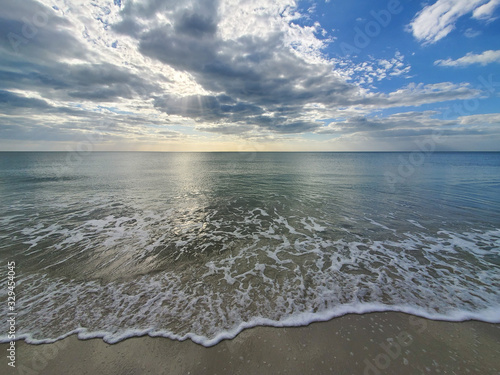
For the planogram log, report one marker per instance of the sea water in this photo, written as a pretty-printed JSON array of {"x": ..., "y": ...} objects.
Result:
[{"x": 203, "y": 245}]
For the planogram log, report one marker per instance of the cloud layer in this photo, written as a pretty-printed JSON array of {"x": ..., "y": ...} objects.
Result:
[{"x": 207, "y": 71}]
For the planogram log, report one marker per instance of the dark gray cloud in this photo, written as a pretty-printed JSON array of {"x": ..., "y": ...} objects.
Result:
[
  {"x": 23, "y": 122},
  {"x": 414, "y": 124},
  {"x": 227, "y": 129},
  {"x": 33, "y": 41},
  {"x": 95, "y": 82},
  {"x": 372, "y": 125},
  {"x": 416, "y": 95},
  {"x": 295, "y": 127},
  {"x": 34, "y": 32},
  {"x": 257, "y": 74},
  {"x": 11, "y": 102},
  {"x": 250, "y": 70},
  {"x": 208, "y": 108},
  {"x": 78, "y": 125},
  {"x": 195, "y": 24},
  {"x": 106, "y": 82}
]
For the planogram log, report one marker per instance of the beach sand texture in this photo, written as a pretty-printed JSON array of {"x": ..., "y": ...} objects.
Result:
[{"x": 369, "y": 344}]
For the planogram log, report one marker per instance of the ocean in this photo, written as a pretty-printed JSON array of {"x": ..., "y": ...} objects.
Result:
[{"x": 204, "y": 245}]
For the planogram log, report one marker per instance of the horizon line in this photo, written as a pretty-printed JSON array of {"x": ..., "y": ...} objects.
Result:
[{"x": 246, "y": 152}]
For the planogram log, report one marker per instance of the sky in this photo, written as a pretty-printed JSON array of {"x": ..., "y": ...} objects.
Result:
[{"x": 250, "y": 75}]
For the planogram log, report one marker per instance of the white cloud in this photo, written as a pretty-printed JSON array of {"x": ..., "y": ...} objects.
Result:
[
  {"x": 484, "y": 58},
  {"x": 436, "y": 21},
  {"x": 415, "y": 126},
  {"x": 490, "y": 119},
  {"x": 471, "y": 33},
  {"x": 485, "y": 12},
  {"x": 419, "y": 94},
  {"x": 367, "y": 73}
]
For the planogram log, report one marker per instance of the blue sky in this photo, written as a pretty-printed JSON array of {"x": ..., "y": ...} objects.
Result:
[{"x": 234, "y": 75}]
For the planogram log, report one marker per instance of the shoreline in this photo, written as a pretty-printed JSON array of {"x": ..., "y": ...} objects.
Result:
[
  {"x": 300, "y": 320},
  {"x": 369, "y": 344}
]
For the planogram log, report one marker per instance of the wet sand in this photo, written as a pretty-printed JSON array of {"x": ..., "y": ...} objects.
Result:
[{"x": 370, "y": 344}]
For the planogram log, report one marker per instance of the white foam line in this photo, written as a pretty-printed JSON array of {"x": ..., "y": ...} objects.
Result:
[
  {"x": 378, "y": 224},
  {"x": 416, "y": 223},
  {"x": 489, "y": 315}
]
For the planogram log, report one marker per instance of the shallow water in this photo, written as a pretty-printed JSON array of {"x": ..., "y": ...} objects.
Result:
[{"x": 201, "y": 245}]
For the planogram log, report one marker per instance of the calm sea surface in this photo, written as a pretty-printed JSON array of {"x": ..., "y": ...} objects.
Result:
[{"x": 201, "y": 245}]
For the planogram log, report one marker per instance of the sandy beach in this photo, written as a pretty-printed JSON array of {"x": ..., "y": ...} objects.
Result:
[{"x": 370, "y": 344}]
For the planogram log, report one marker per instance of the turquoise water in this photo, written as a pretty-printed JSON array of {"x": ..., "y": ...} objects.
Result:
[{"x": 202, "y": 245}]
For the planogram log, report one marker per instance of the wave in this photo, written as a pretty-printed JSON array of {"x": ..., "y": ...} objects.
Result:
[
  {"x": 489, "y": 315},
  {"x": 284, "y": 283}
]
